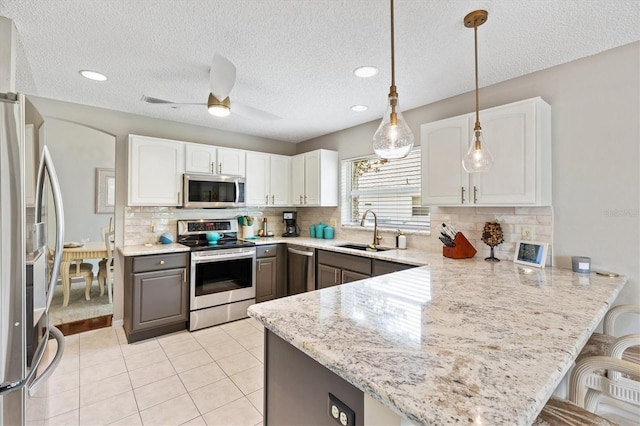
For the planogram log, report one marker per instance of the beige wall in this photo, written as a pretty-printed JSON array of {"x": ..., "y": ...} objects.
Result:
[{"x": 595, "y": 155}]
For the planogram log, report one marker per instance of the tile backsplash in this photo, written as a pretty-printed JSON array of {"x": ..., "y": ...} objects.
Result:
[{"x": 145, "y": 224}]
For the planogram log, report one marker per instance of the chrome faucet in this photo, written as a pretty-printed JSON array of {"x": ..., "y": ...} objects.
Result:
[{"x": 376, "y": 237}]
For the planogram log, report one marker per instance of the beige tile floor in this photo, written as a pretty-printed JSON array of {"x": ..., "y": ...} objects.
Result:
[{"x": 212, "y": 376}]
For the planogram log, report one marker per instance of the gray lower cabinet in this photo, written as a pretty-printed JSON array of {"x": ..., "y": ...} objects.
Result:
[
  {"x": 381, "y": 267},
  {"x": 156, "y": 295},
  {"x": 270, "y": 272},
  {"x": 339, "y": 268}
]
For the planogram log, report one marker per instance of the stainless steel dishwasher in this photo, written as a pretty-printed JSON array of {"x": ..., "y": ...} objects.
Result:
[{"x": 301, "y": 275}]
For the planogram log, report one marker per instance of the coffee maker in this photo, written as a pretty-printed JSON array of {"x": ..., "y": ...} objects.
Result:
[{"x": 291, "y": 228}]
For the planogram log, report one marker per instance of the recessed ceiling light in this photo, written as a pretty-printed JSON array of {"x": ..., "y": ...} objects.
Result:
[
  {"x": 365, "y": 71},
  {"x": 359, "y": 108},
  {"x": 93, "y": 75}
]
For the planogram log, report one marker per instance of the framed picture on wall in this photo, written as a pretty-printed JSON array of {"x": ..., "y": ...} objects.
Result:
[{"x": 105, "y": 190}]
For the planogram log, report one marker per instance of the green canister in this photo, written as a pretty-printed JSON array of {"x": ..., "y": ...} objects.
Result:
[{"x": 328, "y": 233}]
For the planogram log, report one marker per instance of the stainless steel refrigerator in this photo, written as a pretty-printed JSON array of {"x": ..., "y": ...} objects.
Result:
[{"x": 24, "y": 310}]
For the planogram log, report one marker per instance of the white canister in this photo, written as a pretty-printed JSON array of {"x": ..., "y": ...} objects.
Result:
[
  {"x": 402, "y": 241},
  {"x": 247, "y": 231}
]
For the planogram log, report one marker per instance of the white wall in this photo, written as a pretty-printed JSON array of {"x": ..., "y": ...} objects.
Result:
[
  {"x": 77, "y": 151},
  {"x": 595, "y": 154}
]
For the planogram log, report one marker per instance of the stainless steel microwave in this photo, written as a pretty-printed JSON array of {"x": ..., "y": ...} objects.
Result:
[{"x": 212, "y": 191}]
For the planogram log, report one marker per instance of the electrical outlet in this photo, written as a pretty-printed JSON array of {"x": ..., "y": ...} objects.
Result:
[
  {"x": 527, "y": 234},
  {"x": 340, "y": 412},
  {"x": 333, "y": 222}
]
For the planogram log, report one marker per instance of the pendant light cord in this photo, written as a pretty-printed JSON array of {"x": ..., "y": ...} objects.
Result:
[
  {"x": 393, "y": 65},
  {"x": 475, "y": 38}
]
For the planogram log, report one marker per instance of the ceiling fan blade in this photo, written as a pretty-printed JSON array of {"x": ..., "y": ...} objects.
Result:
[
  {"x": 158, "y": 101},
  {"x": 252, "y": 113},
  {"x": 222, "y": 76},
  {"x": 152, "y": 100}
]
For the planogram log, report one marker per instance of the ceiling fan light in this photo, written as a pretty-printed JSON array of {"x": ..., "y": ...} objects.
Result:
[{"x": 219, "y": 108}]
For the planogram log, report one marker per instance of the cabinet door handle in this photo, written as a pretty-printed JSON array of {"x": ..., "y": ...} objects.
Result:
[
  {"x": 184, "y": 276},
  {"x": 162, "y": 262},
  {"x": 213, "y": 167},
  {"x": 305, "y": 199},
  {"x": 475, "y": 194},
  {"x": 267, "y": 199},
  {"x": 462, "y": 194},
  {"x": 335, "y": 276},
  {"x": 220, "y": 169},
  {"x": 259, "y": 265},
  {"x": 301, "y": 199},
  {"x": 273, "y": 199}
]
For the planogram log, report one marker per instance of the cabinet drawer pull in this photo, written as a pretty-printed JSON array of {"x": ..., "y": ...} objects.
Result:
[
  {"x": 162, "y": 262},
  {"x": 335, "y": 276}
]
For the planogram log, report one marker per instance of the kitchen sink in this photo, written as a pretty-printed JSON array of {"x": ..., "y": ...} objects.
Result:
[{"x": 363, "y": 247}]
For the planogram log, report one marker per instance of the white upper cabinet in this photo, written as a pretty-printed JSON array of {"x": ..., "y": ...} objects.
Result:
[
  {"x": 519, "y": 138},
  {"x": 314, "y": 178},
  {"x": 200, "y": 158},
  {"x": 231, "y": 161},
  {"x": 156, "y": 167},
  {"x": 279, "y": 180},
  {"x": 443, "y": 144},
  {"x": 267, "y": 179}
]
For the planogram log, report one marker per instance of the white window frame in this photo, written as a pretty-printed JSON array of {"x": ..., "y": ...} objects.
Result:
[{"x": 420, "y": 219}]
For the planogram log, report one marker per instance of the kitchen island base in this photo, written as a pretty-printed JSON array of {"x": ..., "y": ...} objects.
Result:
[{"x": 297, "y": 388}]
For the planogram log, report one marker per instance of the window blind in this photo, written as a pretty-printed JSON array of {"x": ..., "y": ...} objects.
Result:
[{"x": 391, "y": 188}]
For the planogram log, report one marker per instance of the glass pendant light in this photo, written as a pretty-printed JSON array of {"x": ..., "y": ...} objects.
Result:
[
  {"x": 394, "y": 138},
  {"x": 478, "y": 157}
]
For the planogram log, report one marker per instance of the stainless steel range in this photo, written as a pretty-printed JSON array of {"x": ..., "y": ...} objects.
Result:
[{"x": 222, "y": 276}]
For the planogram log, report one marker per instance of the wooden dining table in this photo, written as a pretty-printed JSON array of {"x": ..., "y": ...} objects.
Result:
[{"x": 88, "y": 250}]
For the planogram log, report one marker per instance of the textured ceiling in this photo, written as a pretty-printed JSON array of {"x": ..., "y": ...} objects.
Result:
[{"x": 295, "y": 58}]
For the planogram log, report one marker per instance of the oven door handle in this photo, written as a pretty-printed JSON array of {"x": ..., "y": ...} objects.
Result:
[{"x": 217, "y": 257}]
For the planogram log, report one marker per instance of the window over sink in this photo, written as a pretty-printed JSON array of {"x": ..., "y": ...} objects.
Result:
[{"x": 391, "y": 188}]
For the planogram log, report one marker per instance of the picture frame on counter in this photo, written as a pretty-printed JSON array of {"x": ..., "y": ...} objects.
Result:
[{"x": 531, "y": 253}]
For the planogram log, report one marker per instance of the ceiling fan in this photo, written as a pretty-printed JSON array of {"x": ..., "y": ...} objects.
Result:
[{"x": 221, "y": 80}]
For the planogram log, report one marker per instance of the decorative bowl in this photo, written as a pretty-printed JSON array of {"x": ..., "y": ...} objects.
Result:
[{"x": 166, "y": 238}]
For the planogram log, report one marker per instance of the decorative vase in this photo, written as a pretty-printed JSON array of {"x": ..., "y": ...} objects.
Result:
[{"x": 492, "y": 236}]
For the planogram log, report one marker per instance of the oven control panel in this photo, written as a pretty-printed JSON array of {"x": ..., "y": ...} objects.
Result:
[{"x": 191, "y": 227}]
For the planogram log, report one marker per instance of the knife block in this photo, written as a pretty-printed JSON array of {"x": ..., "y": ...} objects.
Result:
[{"x": 462, "y": 250}]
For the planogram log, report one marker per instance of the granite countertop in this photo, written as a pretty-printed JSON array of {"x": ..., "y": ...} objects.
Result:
[
  {"x": 410, "y": 256},
  {"x": 457, "y": 341},
  {"x": 145, "y": 249}
]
